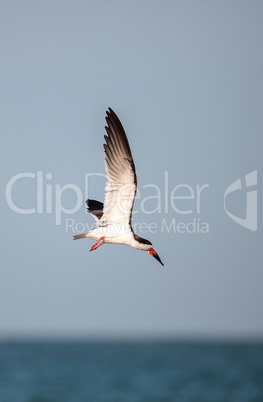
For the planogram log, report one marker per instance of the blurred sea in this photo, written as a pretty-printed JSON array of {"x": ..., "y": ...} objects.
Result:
[{"x": 130, "y": 371}]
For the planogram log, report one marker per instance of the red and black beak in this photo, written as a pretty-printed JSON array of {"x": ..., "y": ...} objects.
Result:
[{"x": 155, "y": 255}]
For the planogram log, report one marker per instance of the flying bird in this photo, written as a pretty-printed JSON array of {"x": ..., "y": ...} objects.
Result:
[{"x": 114, "y": 217}]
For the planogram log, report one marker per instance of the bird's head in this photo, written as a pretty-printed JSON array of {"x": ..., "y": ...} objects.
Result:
[
  {"x": 155, "y": 255},
  {"x": 146, "y": 245}
]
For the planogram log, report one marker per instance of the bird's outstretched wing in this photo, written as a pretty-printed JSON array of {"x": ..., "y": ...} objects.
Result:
[{"x": 121, "y": 186}]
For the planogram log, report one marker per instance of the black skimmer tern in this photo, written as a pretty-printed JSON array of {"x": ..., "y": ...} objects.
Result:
[{"x": 114, "y": 217}]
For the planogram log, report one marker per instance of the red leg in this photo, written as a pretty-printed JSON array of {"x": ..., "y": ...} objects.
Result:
[
  {"x": 101, "y": 244},
  {"x": 96, "y": 245},
  {"x": 97, "y": 242}
]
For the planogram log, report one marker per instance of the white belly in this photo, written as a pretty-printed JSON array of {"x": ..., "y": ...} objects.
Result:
[{"x": 112, "y": 234}]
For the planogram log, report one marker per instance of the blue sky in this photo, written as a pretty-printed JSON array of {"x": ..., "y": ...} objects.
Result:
[{"x": 185, "y": 78}]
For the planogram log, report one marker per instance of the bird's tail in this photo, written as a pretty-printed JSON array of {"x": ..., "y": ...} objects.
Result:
[{"x": 80, "y": 236}]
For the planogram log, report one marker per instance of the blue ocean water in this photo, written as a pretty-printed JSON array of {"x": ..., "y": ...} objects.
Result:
[{"x": 138, "y": 371}]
